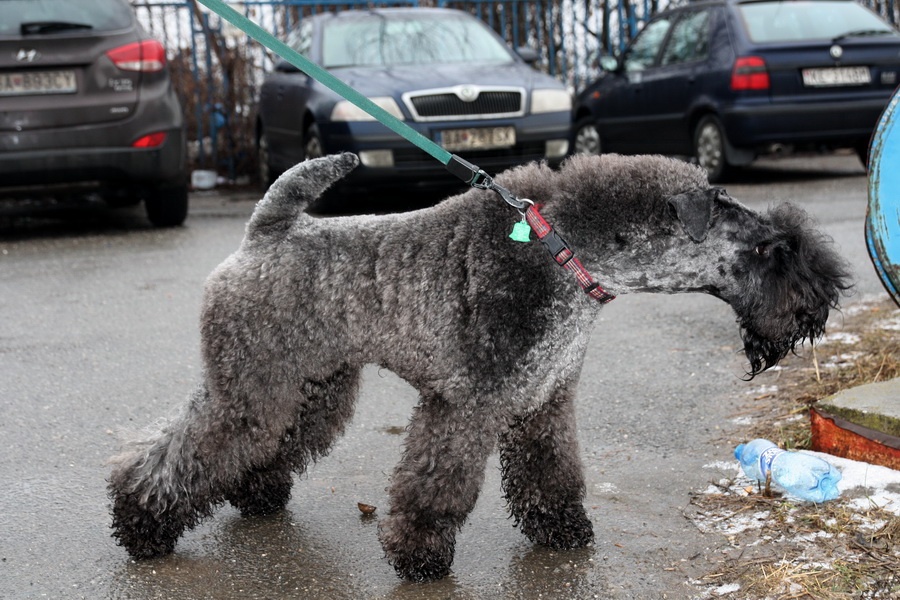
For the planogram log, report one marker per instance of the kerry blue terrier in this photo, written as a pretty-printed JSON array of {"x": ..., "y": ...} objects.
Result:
[{"x": 491, "y": 332}]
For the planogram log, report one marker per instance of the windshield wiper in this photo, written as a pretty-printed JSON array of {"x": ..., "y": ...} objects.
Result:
[
  {"x": 38, "y": 27},
  {"x": 863, "y": 33}
]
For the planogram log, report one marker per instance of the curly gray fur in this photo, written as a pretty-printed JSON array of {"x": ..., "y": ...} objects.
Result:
[{"x": 492, "y": 333}]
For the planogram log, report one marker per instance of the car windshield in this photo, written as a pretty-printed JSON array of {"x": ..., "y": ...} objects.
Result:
[
  {"x": 62, "y": 16},
  {"x": 809, "y": 20},
  {"x": 379, "y": 40}
]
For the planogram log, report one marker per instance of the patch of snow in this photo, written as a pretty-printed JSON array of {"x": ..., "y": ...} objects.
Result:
[
  {"x": 721, "y": 465},
  {"x": 892, "y": 324},
  {"x": 605, "y": 487},
  {"x": 763, "y": 390},
  {"x": 841, "y": 337},
  {"x": 728, "y": 588},
  {"x": 874, "y": 481}
]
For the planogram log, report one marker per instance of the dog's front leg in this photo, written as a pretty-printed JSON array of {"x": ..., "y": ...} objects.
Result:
[
  {"x": 542, "y": 475},
  {"x": 435, "y": 486}
]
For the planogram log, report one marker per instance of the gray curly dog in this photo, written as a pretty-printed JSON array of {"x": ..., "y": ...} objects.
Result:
[{"x": 491, "y": 332}]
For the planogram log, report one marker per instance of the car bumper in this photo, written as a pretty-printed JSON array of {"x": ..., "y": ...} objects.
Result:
[
  {"x": 96, "y": 165},
  {"x": 410, "y": 166},
  {"x": 829, "y": 123}
]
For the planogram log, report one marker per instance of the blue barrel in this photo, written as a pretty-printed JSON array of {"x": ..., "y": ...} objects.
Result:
[{"x": 883, "y": 213}]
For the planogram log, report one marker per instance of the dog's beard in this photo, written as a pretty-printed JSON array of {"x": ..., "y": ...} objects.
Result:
[{"x": 764, "y": 352}]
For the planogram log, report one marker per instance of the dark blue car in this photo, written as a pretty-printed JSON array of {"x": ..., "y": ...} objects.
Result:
[
  {"x": 726, "y": 81},
  {"x": 442, "y": 71}
]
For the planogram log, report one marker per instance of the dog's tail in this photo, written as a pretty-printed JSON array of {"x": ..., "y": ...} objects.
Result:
[{"x": 297, "y": 188}]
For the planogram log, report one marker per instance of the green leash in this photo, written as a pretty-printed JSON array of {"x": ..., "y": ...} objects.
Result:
[{"x": 459, "y": 167}]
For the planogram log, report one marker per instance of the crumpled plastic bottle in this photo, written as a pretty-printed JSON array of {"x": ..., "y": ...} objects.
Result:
[{"x": 801, "y": 475}]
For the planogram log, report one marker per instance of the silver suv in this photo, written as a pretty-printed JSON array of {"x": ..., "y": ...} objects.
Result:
[{"x": 86, "y": 103}]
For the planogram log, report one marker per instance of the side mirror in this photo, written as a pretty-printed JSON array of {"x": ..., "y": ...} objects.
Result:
[
  {"x": 609, "y": 64},
  {"x": 529, "y": 55}
]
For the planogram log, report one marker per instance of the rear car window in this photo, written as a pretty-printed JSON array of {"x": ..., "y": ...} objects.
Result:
[
  {"x": 62, "y": 16},
  {"x": 809, "y": 20}
]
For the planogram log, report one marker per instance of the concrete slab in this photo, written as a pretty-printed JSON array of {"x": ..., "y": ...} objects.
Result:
[
  {"x": 874, "y": 405},
  {"x": 860, "y": 423}
]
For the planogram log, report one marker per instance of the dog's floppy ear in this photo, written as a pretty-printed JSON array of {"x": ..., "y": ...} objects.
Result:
[{"x": 694, "y": 210}]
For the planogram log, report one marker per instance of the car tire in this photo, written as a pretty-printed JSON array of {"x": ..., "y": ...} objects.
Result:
[
  {"x": 264, "y": 170},
  {"x": 710, "y": 148},
  {"x": 167, "y": 205},
  {"x": 312, "y": 143},
  {"x": 587, "y": 138}
]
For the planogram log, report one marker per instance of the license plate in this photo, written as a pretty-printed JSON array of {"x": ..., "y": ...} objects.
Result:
[
  {"x": 38, "y": 82},
  {"x": 477, "y": 138},
  {"x": 836, "y": 76}
]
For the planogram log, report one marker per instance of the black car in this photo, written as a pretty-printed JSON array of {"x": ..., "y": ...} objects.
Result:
[
  {"x": 443, "y": 72},
  {"x": 725, "y": 81},
  {"x": 87, "y": 105}
]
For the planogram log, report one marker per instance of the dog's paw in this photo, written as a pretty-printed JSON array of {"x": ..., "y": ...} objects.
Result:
[
  {"x": 561, "y": 529},
  {"x": 418, "y": 553},
  {"x": 262, "y": 492},
  {"x": 143, "y": 533},
  {"x": 421, "y": 565}
]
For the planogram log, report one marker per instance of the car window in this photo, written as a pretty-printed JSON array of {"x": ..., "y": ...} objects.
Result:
[
  {"x": 643, "y": 52},
  {"x": 377, "y": 40},
  {"x": 809, "y": 20},
  {"x": 689, "y": 40},
  {"x": 100, "y": 15}
]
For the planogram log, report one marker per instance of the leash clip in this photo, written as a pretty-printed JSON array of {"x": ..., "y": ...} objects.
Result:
[{"x": 508, "y": 197}]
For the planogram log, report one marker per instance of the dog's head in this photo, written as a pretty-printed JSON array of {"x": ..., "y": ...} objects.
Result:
[
  {"x": 783, "y": 278},
  {"x": 793, "y": 277},
  {"x": 655, "y": 225}
]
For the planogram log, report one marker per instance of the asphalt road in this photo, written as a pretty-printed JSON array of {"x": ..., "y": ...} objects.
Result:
[{"x": 98, "y": 332}]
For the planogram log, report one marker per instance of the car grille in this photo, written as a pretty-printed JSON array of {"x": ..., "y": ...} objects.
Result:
[{"x": 465, "y": 102}]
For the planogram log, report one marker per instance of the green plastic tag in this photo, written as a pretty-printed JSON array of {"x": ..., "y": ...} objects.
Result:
[{"x": 521, "y": 232}]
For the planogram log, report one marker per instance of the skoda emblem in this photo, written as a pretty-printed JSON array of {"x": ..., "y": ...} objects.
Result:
[
  {"x": 24, "y": 55},
  {"x": 836, "y": 52},
  {"x": 467, "y": 93}
]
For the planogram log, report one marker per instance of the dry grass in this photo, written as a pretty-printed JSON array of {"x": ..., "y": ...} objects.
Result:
[
  {"x": 783, "y": 550},
  {"x": 801, "y": 550},
  {"x": 835, "y": 364}
]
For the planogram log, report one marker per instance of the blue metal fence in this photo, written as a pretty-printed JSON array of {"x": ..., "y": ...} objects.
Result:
[{"x": 217, "y": 69}]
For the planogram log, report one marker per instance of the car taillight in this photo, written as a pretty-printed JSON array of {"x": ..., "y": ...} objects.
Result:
[
  {"x": 749, "y": 73},
  {"x": 148, "y": 56},
  {"x": 150, "y": 141}
]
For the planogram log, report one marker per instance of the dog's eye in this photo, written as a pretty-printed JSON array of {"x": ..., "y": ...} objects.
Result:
[{"x": 762, "y": 250}]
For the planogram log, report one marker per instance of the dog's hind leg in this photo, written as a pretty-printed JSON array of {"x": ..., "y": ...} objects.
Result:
[
  {"x": 542, "y": 475},
  {"x": 327, "y": 407},
  {"x": 158, "y": 488},
  {"x": 435, "y": 486},
  {"x": 167, "y": 484}
]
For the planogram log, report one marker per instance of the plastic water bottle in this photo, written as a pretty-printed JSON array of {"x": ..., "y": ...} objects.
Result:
[{"x": 801, "y": 475}]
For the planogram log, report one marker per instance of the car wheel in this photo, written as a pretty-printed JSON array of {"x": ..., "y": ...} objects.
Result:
[
  {"x": 709, "y": 148},
  {"x": 263, "y": 162},
  {"x": 587, "y": 138},
  {"x": 167, "y": 205},
  {"x": 312, "y": 143}
]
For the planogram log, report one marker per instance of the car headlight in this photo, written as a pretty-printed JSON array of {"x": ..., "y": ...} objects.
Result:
[
  {"x": 544, "y": 101},
  {"x": 347, "y": 111}
]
